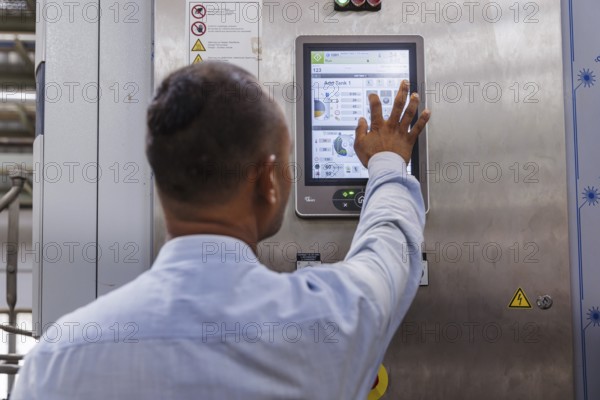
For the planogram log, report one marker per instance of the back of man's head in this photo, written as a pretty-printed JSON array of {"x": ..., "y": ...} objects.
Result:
[{"x": 208, "y": 125}]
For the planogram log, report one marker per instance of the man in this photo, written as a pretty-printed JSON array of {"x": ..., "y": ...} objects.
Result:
[{"x": 208, "y": 321}]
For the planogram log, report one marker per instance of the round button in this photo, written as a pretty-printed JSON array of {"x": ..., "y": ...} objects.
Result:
[{"x": 359, "y": 199}]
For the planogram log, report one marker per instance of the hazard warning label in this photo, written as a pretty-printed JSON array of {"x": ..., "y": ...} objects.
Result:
[
  {"x": 198, "y": 59},
  {"x": 198, "y": 28},
  {"x": 519, "y": 300},
  {"x": 198, "y": 46},
  {"x": 225, "y": 30},
  {"x": 198, "y": 11}
]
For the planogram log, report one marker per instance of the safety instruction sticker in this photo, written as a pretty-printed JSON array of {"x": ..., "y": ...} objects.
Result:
[
  {"x": 306, "y": 260},
  {"x": 225, "y": 30},
  {"x": 519, "y": 300}
]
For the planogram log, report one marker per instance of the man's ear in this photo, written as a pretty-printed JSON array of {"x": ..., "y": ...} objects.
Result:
[{"x": 266, "y": 181}]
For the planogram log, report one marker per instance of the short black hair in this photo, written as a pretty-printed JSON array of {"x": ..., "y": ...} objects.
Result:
[{"x": 208, "y": 125}]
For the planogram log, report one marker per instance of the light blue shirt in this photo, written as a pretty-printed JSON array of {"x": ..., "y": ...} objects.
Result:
[{"x": 208, "y": 321}]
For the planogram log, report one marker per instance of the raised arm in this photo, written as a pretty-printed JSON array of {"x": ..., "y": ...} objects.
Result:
[
  {"x": 385, "y": 257},
  {"x": 373, "y": 287}
]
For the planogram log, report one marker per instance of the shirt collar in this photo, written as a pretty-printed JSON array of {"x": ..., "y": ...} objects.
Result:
[{"x": 207, "y": 249}]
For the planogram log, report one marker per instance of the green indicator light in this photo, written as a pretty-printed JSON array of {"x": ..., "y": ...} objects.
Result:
[
  {"x": 345, "y": 194},
  {"x": 351, "y": 193},
  {"x": 342, "y": 3}
]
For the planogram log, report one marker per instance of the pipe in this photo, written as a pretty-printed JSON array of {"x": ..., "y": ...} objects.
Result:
[
  {"x": 16, "y": 331},
  {"x": 18, "y": 182},
  {"x": 18, "y": 178}
]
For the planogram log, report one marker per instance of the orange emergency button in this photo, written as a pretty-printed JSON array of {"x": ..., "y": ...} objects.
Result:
[{"x": 380, "y": 386}]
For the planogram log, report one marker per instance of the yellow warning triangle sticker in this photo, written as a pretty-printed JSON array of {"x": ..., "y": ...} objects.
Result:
[
  {"x": 198, "y": 59},
  {"x": 198, "y": 46},
  {"x": 519, "y": 300}
]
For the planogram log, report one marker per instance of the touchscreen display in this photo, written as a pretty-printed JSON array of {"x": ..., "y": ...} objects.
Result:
[{"x": 341, "y": 81}]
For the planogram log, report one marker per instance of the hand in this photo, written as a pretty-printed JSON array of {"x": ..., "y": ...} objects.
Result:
[{"x": 393, "y": 134}]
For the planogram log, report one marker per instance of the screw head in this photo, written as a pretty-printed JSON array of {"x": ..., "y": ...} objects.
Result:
[{"x": 544, "y": 302}]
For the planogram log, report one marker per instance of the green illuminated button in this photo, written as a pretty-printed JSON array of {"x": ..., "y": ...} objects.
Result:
[
  {"x": 342, "y": 3},
  {"x": 349, "y": 200}
]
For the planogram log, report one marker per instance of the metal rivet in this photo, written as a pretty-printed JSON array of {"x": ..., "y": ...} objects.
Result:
[{"x": 544, "y": 302}]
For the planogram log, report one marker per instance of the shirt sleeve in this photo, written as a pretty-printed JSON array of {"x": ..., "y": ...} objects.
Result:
[
  {"x": 25, "y": 386},
  {"x": 385, "y": 257},
  {"x": 383, "y": 267}
]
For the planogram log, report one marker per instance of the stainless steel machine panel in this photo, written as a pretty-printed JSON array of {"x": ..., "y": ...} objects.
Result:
[
  {"x": 92, "y": 217},
  {"x": 497, "y": 220}
]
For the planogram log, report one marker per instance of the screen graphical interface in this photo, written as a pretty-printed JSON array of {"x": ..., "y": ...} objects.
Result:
[{"x": 341, "y": 82}]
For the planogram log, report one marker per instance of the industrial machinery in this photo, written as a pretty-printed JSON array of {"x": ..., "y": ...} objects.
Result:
[{"x": 503, "y": 310}]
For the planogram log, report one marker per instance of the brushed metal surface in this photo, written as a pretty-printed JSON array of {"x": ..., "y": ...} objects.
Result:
[
  {"x": 91, "y": 179},
  {"x": 123, "y": 155},
  {"x": 67, "y": 211},
  {"x": 497, "y": 219}
]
